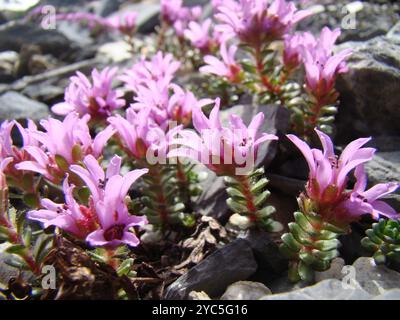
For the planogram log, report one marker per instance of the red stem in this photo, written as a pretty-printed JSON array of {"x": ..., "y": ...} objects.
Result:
[{"x": 246, "y": 190}]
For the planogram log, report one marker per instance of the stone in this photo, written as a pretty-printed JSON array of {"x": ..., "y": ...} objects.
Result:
[
  {"x": 384, "y": 167},
  {"x": 394, "y": 33},
  {"x": 330, "y": 289},
  {"x": 117, "y": 51},
  {"x": 393, "y": 294},
  {"x": 245, "y": 290},
  {"x": 212, "y": 200},
  {"x": 6, "y": 271},
  {"x": 334, "y": 272},
  {"x": 194, "y": 295},
  {"x": 14, "y": 35},
  {"x": 266, "y": 252},
  {"x": 369, "y": 92},
  {"x": 375, "y": 279},
  {"x": 16, "y": 106},
  {"x": 231, "y": 263},
  {"x": 371, "y": 19}
]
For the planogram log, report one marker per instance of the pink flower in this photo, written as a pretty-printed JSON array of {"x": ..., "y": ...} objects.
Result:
[
  {"x": 106, "y": 222},
  {"x": 141, "y": 136},
  {"x": 155, "y": 96},
  {"x": 181, "y": 105},
  {"x": 69, "y": 216},
  {"x": 124, "y": 23},
  {"x": 69, "y": 140},
  {"x": 199, "y": 36},
  {"x": 321, "y": 65},
  {"x": 9, "y": 152},
  {"x": 294, "y": 47},
  {"x": 361, "y": 201},
  {"x": 160, "y": 68},
  {"x": 225, "y": 150},
  {"x": 257, "y": 21},
  {"x": 92, "y": 20},
  {"x": 95, "y": 97},
  {"x": 328, "y": 174},
  {"x": 227, "y": 68}
]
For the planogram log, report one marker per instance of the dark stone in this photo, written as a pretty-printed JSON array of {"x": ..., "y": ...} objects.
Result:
[
  {"x": 14, "y": 36},
  {"x": 231, "y": 263},
  {"x": 370, "y": 91},
  {"x": 266, "y": 251}
]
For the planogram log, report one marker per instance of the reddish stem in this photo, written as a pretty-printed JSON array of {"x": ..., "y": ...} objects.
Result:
[{"x": 246, "y": 190}]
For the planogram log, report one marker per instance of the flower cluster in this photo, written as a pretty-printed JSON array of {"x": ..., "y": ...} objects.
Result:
[
  {"x": 256, "y": 21},
  {"x": 328, "y": 180},
  {"x": 62, "y": 144},
  {"x": 151, "y": 82},
  {"x": 96, "y": 98},
  {"x": 106, "y": 222},
  {"x": 228, "y": 151},
  {"x": 327, "y": 208},
  {"x": 174, "y": 14}
]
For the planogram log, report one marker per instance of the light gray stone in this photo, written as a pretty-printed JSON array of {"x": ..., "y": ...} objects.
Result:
[
  {"x": 393, "y": 294},
  {"x": 334, "y": 272},
  {"x": 245, "y": 290},
  {"x": 14, "y": 105},
  {"x": 375, "y": 279},
  {"x": 330, "y": 289}
]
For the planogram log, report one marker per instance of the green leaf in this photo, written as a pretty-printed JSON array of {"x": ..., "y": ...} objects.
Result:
[
  {"x": 236, "y": 206},
  {"x": 176, "y": 208},
  {"x": 61, "y": 162},
  {"x": 325, "y": 255},
  {"x": 266, "y": 212},
  {"x": 304, "y": 223},
  {"x": 125, "y": 267},
  {"x": 235, "y": 193},
  {"x": 291, "y": 242},
  {"x": 260, "y": 185},
  {"x": 260, "y": 199},
  {"x": 299, "y": 234},
  {"x": 379, "y": 257},
  {"x": 307, "y": 257},
  {"x": 15, "y": 249},
  {"x": 326, "y": 245},
  {"x": 305, "y": 272}
]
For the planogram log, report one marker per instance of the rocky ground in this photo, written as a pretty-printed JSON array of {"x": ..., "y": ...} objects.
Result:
[{"x": 35, "y": 65}]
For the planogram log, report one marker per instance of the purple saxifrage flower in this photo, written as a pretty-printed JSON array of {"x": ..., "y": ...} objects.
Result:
[{"x": 96, "y": 97}]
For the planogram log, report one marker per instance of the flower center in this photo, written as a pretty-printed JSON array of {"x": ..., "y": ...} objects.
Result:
[{"x": 115, "y": 232}]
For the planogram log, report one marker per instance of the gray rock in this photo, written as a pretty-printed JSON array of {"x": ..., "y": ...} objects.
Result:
[
  {"x": 14, "y": 105},
  {"x": 384, "y": 167},
  {"x": 330, "y": 289},
  {"x": 212, "y": 202},
  {"x": 389, "y": 295},
  {"x": 334, "y": 272},
  {"x": 266, "y": 252},
  {"x": 394, "y": 33},
  {"x": 195, "y": 295},
  {"x": 369, "y": 92},
  {"x": 371, "y": 19},
  {"x": 231, "y": 263},
  {"x": 283, "y": 285},
  {"x": 375, "y": 279},
  {"x": 245, "y": 290},
  {"x": 14, "y": 35}
]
